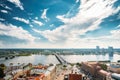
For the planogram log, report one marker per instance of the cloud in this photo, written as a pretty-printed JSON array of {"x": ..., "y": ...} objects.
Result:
[
  {"x": 8, "y": 8},
  {"x": 17, "y": 32},
  {"x": 77, "y": 1},
  {"x": 90, "y": 15},
  {"x": 43, "y": 16},
  {"x": 109, "y": 40},
  {"x": 5, "y": 6},
  {"x": 52, "y": 25},
  {"x": 47, "y": 35},
  {"x": 1, "y": 19},
  {"x": 90, "y": 42},
  {"x": 118, "y": 26},
  {"x": 115, "y": 34},
  {"x": 38, "y": 22},
  {"x": 17, "y": 3},
  {"x": 31, "y": 25},
  {"x": 36, "y": 18},
  {"x": 4, "y": 11},
  {"x": 21, "y": 19}
]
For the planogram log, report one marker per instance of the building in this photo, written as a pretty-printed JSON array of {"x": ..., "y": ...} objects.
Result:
[
  {"x": 115, "y": 68},
  {"x": 50, "y": 73},
  {"x": 110, "y": 51},
  {"x": 115, "y": 76},
  {"x": 34, "y": 72},
  {"x": 73, "y": 77},
  {"x": 95, "y": 70},
  {"x": 97, "y": 49}
]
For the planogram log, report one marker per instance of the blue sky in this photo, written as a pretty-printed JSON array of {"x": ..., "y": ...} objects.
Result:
[{"x": 59, "y": 23}]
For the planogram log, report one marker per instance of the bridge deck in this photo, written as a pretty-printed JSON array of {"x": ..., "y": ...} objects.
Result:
[{"x": 60, "y": 59}]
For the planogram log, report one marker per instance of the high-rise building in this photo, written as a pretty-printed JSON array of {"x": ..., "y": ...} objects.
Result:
[
  {"x": 103, "y": 50},
  {"x": 110, "y": 51},
  {"x": 97, "y": 49}
]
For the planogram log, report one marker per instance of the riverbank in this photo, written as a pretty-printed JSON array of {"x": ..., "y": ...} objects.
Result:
[
  {"x": 24, "y": 54},
  {"x": 47, "y": 59}
]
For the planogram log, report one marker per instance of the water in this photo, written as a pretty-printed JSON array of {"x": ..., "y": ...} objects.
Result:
[
  {"x": 36, "y": 59},
  {"x": 91, "y": 57}
]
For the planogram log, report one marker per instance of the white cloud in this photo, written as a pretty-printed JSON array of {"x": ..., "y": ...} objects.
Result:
[
  {"x": 31, "y": 25},
  {"x": 77, "y": 1},
  {"x": 115, "y": 34},
  {"x": 4, "y": 11},
  {"x": 17, "y": 3},
  {"x": 43, "y": 16},
  {"x": 5, "y": 6},
  {"x": 17, "y": 32},
  {"x": 118, "y": 26},
  {"x": 48, "y": 35},
  {"x": 90, "y": 42},
  {"x": 21, "y": 19},
  {"x": 8, "y": 8},
  {"x": 91, "y": 14},
  {"x": 38, "y": 22},
  {"x": 52, "y": 25},
  {"x": 1, "y": 19},
  {"x": 109, "y": 40},
  {"x": 36, "y": 18}
]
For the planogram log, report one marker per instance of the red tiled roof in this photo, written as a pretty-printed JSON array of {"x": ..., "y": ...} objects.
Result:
[{"x": 75, "y": 77}]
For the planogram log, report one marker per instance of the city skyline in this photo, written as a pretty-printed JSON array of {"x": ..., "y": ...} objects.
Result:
[{"x": 59, "y": 24}]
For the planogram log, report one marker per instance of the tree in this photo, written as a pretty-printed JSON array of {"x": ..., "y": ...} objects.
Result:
[
  {"x": 1, "y": 73},
  {"x": 30, "y": 64},
  {"x": 103, "y": 66},
  {"x": 78, "y": 64},
  {"x": 40, "y": 64},
  {"x": 2, "y": 68},
  {"x": 50, "y": 64}
]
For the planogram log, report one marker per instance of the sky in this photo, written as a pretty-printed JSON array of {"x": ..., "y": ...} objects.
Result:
[{"x": 59, "y": 23}]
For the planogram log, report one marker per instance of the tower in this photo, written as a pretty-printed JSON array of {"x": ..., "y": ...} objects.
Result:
[
  {"x": 110, "y": 51},
  {"x": 97, "y": 49}
]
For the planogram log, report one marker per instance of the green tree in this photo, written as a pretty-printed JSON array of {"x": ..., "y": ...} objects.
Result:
[
  {"x": 78, "y": 64},
  {"x": 103, "y": 66},
  {"x": 50, "y": 64},
  {"x": 2, "y": 68}
]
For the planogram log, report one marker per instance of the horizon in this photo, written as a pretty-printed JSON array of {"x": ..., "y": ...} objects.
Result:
[
  {"x": 59, "y": 24},
  {"x": 56, "y": 48}
]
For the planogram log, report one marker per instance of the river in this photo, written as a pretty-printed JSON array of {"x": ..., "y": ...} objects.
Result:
[{"x": 47, "y": 59}]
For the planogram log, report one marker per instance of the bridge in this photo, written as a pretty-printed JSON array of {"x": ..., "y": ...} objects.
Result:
[{"x": 60, "y": 59}]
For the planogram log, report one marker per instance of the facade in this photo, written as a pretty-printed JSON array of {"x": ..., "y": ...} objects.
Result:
[
  {"x": 97, "y": 49},
  {"x": 50, "y": 73},
  {"x": 94, "y": 69},
  {"x": 34, "y": 72},
  {"x": 116, "y": 76},
  {"x": 110, "y": 51},
  {"x": 115, "y": 68}
]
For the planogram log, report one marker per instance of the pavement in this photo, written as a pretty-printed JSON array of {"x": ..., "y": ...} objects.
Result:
[{"x": 62, "y": 71}]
